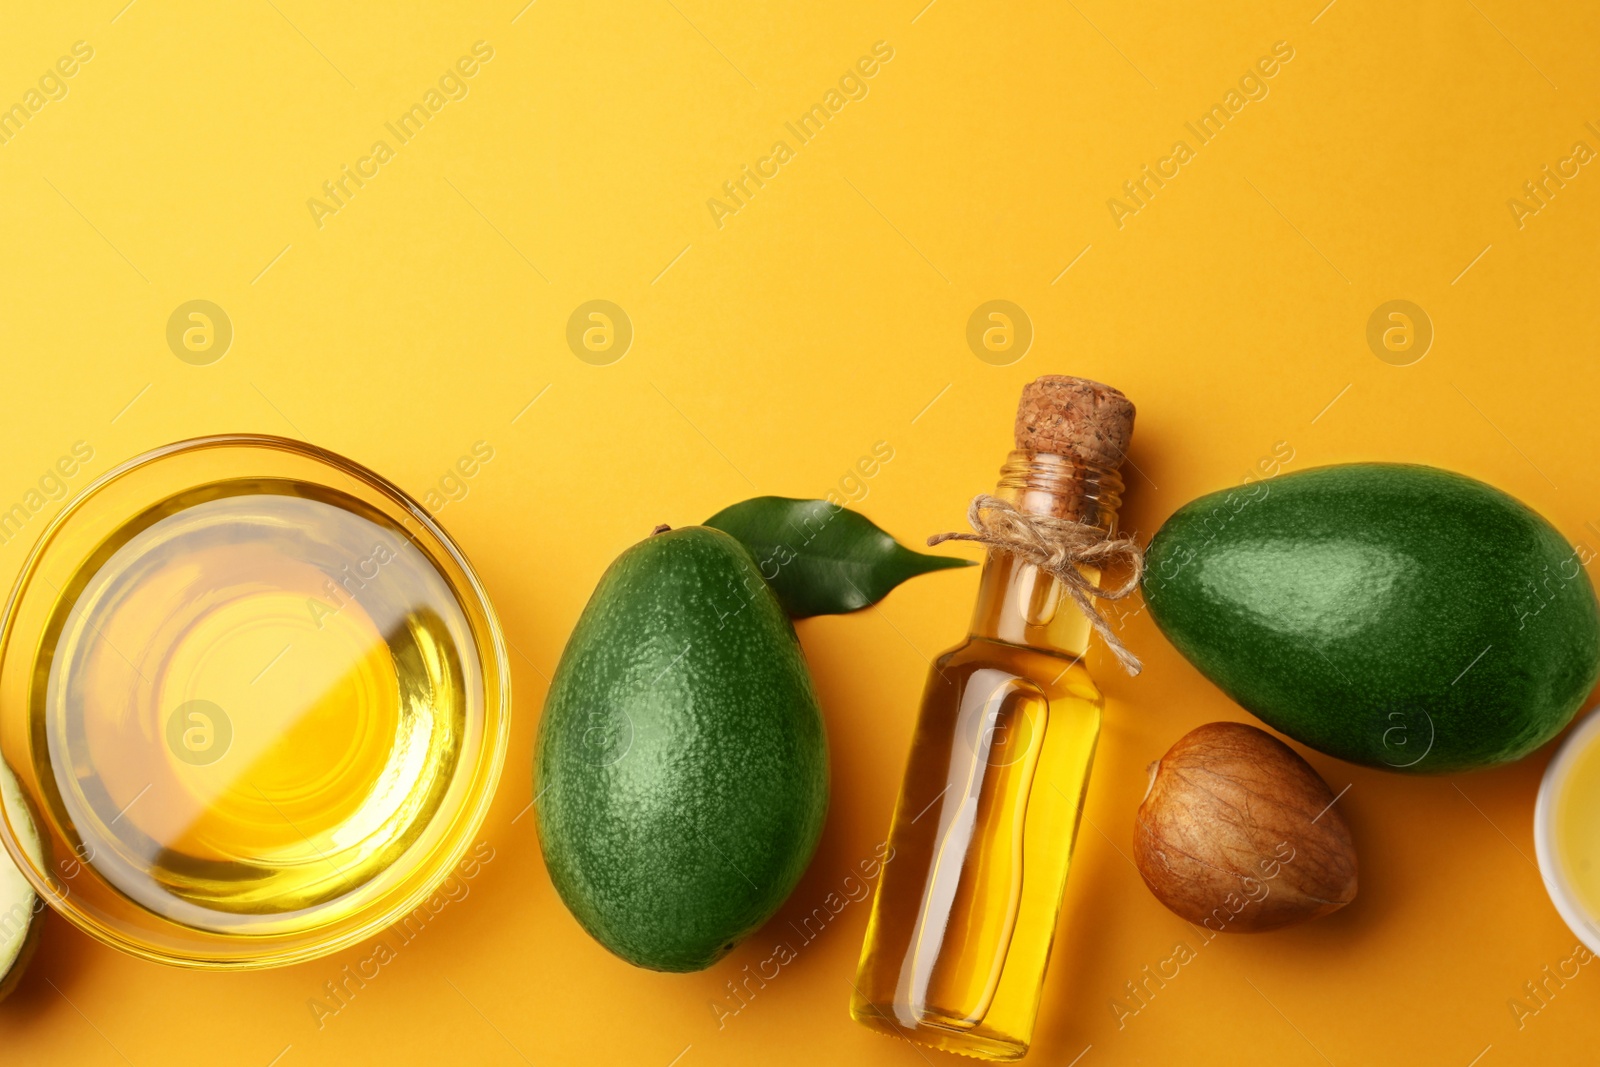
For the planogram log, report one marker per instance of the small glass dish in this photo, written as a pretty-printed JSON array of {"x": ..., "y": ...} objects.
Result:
[{"x": 256, "y": 703}]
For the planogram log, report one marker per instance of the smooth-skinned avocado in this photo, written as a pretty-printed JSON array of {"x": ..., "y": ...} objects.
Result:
[
  {"x": 681, "y": 767},
  {"x": 1394, "y": 615}
]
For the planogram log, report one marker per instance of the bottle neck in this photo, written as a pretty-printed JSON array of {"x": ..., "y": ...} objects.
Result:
[{"x": 1018, "y": 603}]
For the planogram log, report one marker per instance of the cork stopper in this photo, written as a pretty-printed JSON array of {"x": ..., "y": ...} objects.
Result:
[{"x": 1076, "y": 418}]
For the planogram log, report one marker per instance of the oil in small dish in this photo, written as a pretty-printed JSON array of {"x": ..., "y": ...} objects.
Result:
[
  {"x": 1575, "y": 826},
  {"x": 255, "y": 701}
]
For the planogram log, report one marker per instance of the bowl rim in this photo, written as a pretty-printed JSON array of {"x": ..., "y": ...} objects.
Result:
[
  {"x": 490, "y": 764},
  {"x": 1584, "y": 926}
]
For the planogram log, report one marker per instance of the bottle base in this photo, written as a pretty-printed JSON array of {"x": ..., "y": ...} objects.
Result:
[{"x": 934, "y": 1031}]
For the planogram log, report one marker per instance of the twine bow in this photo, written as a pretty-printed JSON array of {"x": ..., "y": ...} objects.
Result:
[{"x": 1059, "y": 546}]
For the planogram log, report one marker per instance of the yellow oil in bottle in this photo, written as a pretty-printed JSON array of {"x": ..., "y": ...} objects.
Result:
[
  {"x": 961, "y": 926},
  {"x": 966, "y": 909},
  {"x": 255, "y": 701}
]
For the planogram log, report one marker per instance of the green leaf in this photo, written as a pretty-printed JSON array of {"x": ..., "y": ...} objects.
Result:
[{"x": 821, "y": 559}]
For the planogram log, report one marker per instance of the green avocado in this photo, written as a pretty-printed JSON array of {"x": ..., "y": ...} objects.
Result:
[
  {"x": 1394, "y": 615},
  {"x": 681, "y": 768}
]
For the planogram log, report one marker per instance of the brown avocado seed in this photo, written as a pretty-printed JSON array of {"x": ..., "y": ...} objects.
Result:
[{"x": 1237, "y": 833}]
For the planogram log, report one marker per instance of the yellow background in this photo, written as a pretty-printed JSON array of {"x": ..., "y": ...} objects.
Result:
[{"x": 772, "y": 353}]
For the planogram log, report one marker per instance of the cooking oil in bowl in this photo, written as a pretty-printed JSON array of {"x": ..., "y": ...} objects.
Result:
[
  {"x": 265, "y": 713},
  {"x": 1566, "y": 830},
  {"x": 255, "y": 701}
]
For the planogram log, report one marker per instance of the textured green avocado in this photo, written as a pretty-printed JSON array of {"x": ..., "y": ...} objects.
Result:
[
  {"x": 681, "y": 768},
  {"x": 1394, "y": 615}
]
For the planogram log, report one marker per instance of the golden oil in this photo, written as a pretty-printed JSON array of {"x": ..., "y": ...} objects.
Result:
[
  {"x": 256, "y": 699},
  {"x": 1575, "y": 830},
  {"x": 961, "y": 928},
  {"x": 965, "y": 915}
]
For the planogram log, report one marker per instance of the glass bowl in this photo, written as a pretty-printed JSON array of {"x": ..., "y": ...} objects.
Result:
[{"x": 255, "y": 702}]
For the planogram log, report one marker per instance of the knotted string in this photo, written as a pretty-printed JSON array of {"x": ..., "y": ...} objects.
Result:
[{"x": 1058, "y": 547}]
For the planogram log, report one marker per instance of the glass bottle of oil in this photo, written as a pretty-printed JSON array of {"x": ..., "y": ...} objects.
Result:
[{"x": 965, "y": 914}]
